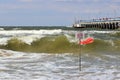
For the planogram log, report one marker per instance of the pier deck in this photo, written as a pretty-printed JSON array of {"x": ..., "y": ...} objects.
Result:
[{"x": 107, "y": 23}]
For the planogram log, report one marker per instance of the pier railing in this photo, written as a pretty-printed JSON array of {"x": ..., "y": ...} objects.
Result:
[{"x": 103, "y": 23}]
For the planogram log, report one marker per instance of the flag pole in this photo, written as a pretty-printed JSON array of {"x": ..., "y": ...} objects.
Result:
[
  {"x": 80, "y": 36},
  {"x": 83, "y": 42},
  {"x": 80, "y": 64}
]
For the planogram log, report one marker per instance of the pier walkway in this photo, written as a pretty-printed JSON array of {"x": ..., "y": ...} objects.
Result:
[{"x": 105, "y": 23}]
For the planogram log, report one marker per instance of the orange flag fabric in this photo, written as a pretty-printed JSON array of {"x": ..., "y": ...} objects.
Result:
[{"x": 86, "y": 41}]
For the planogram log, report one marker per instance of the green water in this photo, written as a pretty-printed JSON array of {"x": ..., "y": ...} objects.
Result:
[{"x": 61, "y": 44}]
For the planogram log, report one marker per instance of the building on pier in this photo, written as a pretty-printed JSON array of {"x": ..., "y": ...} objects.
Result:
[{"x": 104, "y": 23}]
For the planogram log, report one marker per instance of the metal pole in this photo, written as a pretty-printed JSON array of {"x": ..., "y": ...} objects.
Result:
[{"x": 80, "y": 59}]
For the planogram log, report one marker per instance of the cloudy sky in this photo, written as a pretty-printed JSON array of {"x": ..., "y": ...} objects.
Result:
[{"x": 55, "y": 12}]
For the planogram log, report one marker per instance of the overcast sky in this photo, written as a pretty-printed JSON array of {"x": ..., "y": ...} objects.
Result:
[{"x": 55, "y": 12}]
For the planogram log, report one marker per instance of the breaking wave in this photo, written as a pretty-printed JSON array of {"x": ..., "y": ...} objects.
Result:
[
  {"x": 19, "y": 58},
  {"x": 61, "y": 44},
  {"x": 58, "y": 41}
]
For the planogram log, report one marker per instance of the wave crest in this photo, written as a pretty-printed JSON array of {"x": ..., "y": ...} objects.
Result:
[{"x": 61, "y": 44}]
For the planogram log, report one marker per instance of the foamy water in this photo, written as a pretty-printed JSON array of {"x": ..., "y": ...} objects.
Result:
[
  {"x": 32, "y": 66},
  {"x": 16, "y": 65},
  {"x": 42, "y": 66},
  {"x": 29, "y": 36},
  {"x": 26, "y": 35}
]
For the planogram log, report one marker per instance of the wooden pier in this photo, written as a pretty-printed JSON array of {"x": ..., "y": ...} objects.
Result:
[{"x": 105, "y": 23}]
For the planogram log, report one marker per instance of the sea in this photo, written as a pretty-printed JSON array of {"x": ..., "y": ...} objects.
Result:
[{"x": 54, "y": 53}]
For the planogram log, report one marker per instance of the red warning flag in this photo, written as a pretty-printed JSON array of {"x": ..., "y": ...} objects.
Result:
[{"x": 86, "y": 41}]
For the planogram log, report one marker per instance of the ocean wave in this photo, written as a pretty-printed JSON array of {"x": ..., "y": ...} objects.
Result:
[
  {"x": 61, "y": 44},
  {"x": 58, "y": 41},
  {"x": 17, "y": 32},
  {"x": 36, "y": 66},
  {"x": 53, "y": 54},
  {"x": 26, "y": 35},
  {"x": 1, "y": 29}
]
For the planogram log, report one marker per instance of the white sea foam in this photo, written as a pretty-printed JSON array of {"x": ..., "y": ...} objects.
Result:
[
  {"x": 43, "y": 66},
  {"x": 30, "y": 35},
  {"x": 16, "y": 32},
  {"x": 26, "y": 35},
  {"x": 95, "y": 31},
  {"x": 1, "y": 29}
]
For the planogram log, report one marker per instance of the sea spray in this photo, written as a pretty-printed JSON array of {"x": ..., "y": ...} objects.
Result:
[
  {"x": 60, "y": 44},
  {"x": 99, "y": 59}
]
